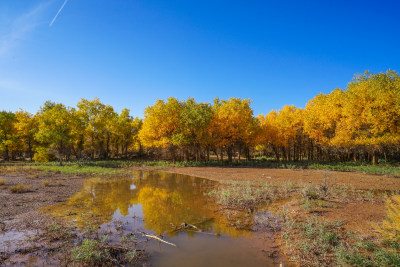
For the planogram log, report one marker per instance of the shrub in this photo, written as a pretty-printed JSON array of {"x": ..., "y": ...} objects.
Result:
[{"x": 42, "y": 155}]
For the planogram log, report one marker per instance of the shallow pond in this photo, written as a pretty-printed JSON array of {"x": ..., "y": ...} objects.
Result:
[{"x": 158, "y": 203}]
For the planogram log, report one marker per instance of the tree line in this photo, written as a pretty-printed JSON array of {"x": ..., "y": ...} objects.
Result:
[{"x": 360, "y": 123}]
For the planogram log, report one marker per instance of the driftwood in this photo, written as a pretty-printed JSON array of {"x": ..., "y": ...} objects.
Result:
[{"x": 158, "y": 239}]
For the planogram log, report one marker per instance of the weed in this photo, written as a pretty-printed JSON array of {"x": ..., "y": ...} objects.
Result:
[
  {"x": 310, "y": 191},
  {"x": 312, "y": 241},
  {"x": 366, "y": 254},
  {"x": 239, "y": 194},
  {"x": 307, "y": 205},
  {"x": 2, "y": 181},
  {"x": 20, "y": 188},
  {"x": 96, "y": 252},
  {"x": 90, "y": 253},
  {"x": 57, "y": 231},
  {"x": 45, "y": 183}
]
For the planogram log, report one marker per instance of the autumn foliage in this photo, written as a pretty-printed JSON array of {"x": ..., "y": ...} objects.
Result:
[{"x": 360, "y": 123}]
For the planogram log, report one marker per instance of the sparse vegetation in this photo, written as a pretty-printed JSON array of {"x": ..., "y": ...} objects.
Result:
[
  {"x": 97, "y": 252},
  {"x": 20, "y": 188},
  {"x": 2, "y": 182},
  {"x": 316, "y": 242},
  {"x": 91, "y": 253}
]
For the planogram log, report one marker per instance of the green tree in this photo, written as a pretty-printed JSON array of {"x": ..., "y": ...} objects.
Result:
[
  {"x": 7, "y": 132},
  {"x": 97, "y": 119},
  {"x": 56, "y": 129}
]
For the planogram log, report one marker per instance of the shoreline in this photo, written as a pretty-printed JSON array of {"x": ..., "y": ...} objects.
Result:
[{"x": 23, "y": 210}]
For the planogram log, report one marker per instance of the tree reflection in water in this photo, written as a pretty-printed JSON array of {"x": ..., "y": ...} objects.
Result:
[{"x": 166, "y": 200}]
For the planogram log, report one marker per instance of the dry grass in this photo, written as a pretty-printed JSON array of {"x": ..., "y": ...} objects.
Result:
[
  {"x": 45, "y": 183},
  {"x": 2, "y": 182},
  {"x": 20, "y": 188}
]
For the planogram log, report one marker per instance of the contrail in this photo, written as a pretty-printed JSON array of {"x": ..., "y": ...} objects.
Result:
[{"x": 61, "y": 8}]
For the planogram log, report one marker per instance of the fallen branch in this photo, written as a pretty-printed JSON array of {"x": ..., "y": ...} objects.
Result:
[{"x": 158, "y": 239}]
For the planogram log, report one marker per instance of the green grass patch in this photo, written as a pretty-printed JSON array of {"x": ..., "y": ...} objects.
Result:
[
  {"x": 96, "y": 252},
  {"x": 81, "y": 170},
  {"x": 385, "y": 168},
  {"x": 91, "y": 253}
]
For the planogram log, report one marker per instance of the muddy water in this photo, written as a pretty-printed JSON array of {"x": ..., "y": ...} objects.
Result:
[{"x": 158, "y": 203}]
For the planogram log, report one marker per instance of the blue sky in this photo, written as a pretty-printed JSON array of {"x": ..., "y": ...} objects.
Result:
[{"x": 131, "y": 52}]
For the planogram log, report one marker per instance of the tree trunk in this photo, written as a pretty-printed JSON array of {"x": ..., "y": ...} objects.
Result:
[
  {"x": 374, "y": 157},
  {"x": 229, "y": 151},
  {"x": 185, "y": 154}
]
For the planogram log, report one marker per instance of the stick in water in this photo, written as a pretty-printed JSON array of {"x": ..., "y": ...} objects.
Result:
[{"x": 158, "y": 239}]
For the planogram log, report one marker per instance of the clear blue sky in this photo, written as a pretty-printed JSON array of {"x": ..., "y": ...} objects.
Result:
[{"x": 131, "y": 52}]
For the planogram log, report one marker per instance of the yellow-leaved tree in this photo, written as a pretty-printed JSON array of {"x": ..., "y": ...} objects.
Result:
[
  {"x": 233, "y": 125},
  {"x": 282, "y": 130},
  {"x": 26, "y": 126},
  {"x": 161, "y": 125},
  {"x": 97, "y": 120},
  {"x": 371, "y": 113}
]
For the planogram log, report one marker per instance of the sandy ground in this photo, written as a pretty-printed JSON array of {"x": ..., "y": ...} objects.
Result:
[
  {"x": 15, "y": 206},
  {"x": 358, "y": 180}
]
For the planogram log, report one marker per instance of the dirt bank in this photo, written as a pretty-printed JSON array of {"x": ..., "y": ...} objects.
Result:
[
  {"x": 43, "y": 191},
  {"x": 358, "y": 180}
]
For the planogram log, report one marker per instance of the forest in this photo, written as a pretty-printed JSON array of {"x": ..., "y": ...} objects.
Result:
[{"x": 358, "y": 123}]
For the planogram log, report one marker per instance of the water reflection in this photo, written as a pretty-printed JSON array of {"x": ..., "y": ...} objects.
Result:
[{"x": 162, "y": 200}]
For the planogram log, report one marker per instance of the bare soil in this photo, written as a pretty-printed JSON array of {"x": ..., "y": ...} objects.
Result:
[
  {"x": 19, "y": 205},
  {"x": 356, "y": 179}
]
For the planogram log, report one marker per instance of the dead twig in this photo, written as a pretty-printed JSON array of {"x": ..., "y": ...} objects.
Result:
[{"x": 158, "y": 239}]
